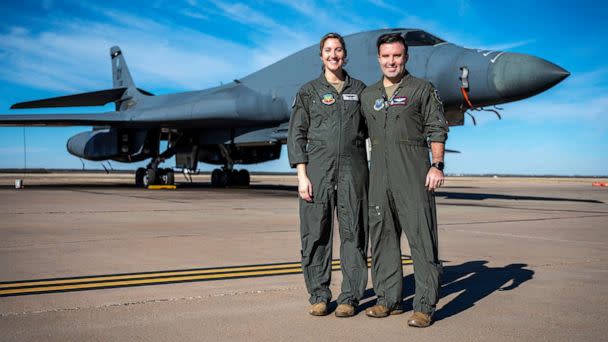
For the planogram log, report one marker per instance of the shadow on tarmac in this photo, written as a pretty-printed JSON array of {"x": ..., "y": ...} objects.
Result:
[
  {"x": 293, "y": 188},
  {"x": 202, "y": 185},
  {"x": 480, "y": 197},
  {"x": 473, "y": 281}
]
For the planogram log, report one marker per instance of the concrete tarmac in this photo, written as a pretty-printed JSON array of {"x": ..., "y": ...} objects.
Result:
[{"x": 525, "y": 259}]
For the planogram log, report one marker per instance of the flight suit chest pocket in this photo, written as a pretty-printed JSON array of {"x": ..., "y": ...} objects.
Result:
[
  {"x": 373, "y": 116},
  {"x": 409, "y": 116},
  {"x": 320, "y": 112},
  {"x": 351, "y": 104}
]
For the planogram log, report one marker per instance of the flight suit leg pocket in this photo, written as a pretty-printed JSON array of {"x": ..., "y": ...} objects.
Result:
[
  {"x": 376, "y": 222},
  {"x": 381, "y": 260},
  {"x": 315, "y": 230},
  {"x": 349, "y": 219}
]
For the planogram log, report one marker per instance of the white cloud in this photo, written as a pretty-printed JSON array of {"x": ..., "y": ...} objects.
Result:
[
  {"x": 193, "y": 14},
  {"x": 593, "y": 109},
  {"x": 71, "y": 54},
  {"x": 273, "y": 40},
  {"x": 332, "y": 17},
  {"x": 580, "y": 97},
  {"x": 463, "y": 7},
  {"x": 384, "y": 5},
  {"x": 47, "y": 5},
  {"x": 580, "y": 83},
  {"x": 74, "y": 55},
  {"x": 246, "y": 15},
  {"x": 506, "y": 46},
  {"x": 457, "y": 36}
]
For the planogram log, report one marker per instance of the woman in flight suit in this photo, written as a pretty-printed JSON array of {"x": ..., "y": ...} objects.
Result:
[{"x": 326, "y": 143}]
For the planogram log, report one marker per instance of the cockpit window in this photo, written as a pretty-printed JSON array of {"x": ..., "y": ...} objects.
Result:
[{"x": 421, "y": 38}]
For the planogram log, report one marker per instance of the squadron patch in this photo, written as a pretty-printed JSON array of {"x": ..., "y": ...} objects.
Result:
[
  {"x": 436, "y": 96},
  {"x": 328, "y": 99},
  {"x": 399, "y": 101},
  {"x": 379, "y": 104}
]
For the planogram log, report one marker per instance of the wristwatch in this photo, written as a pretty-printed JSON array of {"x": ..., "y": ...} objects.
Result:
[{"x": 438, "y": 165}]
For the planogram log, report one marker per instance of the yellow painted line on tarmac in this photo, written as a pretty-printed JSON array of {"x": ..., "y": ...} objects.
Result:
[
  {"x": 162, "y": 187},
  {"x": 148, "y": 281},
  {"x": 155, "y": 278},
  {"x": 146, "y": 275}
]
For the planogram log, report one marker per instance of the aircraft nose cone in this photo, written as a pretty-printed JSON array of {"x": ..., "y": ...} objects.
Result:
[{"x": 517, "y": 76}]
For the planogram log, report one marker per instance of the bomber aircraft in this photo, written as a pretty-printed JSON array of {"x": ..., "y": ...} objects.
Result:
[{"x": 245, "y": 121}]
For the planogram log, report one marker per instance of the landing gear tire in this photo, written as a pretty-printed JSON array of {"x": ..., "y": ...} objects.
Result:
[
  {"x": 219, "y": 178},
  {"x": 232, "y": 177},
  {"x": 140, "y": 174},
  {"x": 222, "y": 178},
  {"x": 150, "y": 178},
  {"x": 169, "y": 177},
  {"x": 243, "y": 177}
]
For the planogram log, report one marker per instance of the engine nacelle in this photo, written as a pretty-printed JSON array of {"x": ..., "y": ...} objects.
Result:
[{"x": 117, "y": 144}]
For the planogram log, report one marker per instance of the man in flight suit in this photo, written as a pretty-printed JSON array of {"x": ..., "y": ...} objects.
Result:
[
  {"x": 404, "y": 115},
  {"x": 326, "y": 142}
]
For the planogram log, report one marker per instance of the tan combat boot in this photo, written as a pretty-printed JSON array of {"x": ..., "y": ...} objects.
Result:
[
  {"x": 318, "y": 309},
  {"x": 379, "y": 311},
  {"x": 345, "y": 310},
  {"x": 419, "y": 320}
]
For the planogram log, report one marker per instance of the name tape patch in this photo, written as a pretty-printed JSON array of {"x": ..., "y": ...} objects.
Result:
[
  {"x": 350, "y": 97},
  {"x": 399, "y": 101}
]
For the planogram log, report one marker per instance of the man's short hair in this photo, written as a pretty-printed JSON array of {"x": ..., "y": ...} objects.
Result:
[
  {"x": 332, "y": 35},
  {"x": 388, "y": 38}
]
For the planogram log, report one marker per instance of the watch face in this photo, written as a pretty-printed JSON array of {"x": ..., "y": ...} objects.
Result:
[{"x": 438, "y": 165}]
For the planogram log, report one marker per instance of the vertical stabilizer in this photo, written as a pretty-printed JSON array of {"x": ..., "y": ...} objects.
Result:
[{"x": 121, "y": 77}]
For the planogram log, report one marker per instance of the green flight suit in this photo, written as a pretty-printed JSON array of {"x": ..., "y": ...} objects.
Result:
[
  {"x": 400, "y": 129},
  {"x": 327, "y": 132}
]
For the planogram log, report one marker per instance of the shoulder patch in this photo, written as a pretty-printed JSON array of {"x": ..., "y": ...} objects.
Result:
[{"x": 436, "y": 96}]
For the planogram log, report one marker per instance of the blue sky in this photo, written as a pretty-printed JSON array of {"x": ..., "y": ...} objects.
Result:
[{"x": 52, "y": 48}]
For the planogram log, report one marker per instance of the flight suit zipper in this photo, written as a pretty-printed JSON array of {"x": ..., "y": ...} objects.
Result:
[
  {"x": 387, "y": 135},
  {"x": 340, "y": 112}
]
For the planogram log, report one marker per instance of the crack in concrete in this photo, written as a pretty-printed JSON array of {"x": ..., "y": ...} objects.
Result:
[
  {"x": 153, "y": 301},
  {"x": 100, "y": 211},
  {"x": 566, "y": 263},
  {"x": 128, "y": 211}
]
